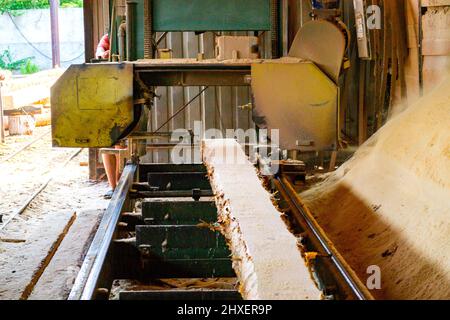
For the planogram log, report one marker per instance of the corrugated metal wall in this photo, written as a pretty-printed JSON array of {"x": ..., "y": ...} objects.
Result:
[{"x": 218, "y": 107}]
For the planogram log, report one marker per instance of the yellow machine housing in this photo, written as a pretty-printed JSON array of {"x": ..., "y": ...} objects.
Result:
[
  {"x": 92, "y": 105},
  {"x": 298, "y": 99}
]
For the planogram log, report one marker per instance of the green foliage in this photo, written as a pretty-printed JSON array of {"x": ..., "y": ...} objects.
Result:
[
  {"x": 11, "y": 5},
  {"x": 29, "y": 68},
  {"x": 72, "y": 3},
  {"x": 7, "y": 61}
]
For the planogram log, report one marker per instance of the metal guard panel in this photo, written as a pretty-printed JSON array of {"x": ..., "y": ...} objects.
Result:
[
  {"x": 299, "y": 100},
  {"x": 211, "y": 15},
  {"x": 92, "y": 105}
]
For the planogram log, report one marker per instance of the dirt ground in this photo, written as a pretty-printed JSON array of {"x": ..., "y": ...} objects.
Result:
[
  {"x": 70, "y": 192},
  {"x": 389, "y": 206}
]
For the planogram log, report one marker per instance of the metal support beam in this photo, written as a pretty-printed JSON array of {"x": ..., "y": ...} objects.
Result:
[
  {"x": 131, "y": 30},
  {"x": 177, "y": 295},
  {"x": 193, "y": 75},
  {"x": 88, "y": 30},
  {"x": 85, "y": 284},
  {"x": 54, "y": 22}
]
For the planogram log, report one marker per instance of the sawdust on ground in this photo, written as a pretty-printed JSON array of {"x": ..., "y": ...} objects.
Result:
[
  {"x": 69, "y": 191},
  {"x": 389, "y": 206}
]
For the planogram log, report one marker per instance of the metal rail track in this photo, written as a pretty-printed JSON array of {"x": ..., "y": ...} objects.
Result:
[
  {"x": 133, "y": 252},
  {"x": 88, "y": 277},
  {"x": 25, "y": 205},
  {"x": 303, "y": 216},
  {"x": 25, "y": 147},
  {"x": 90, "y": 280}
]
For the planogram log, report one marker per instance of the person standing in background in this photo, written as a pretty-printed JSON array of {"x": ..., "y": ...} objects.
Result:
[
  {"x": 110, "y": 161},
  {"x": 103, "y": 48},
  {"x": 5, "y": 75}
]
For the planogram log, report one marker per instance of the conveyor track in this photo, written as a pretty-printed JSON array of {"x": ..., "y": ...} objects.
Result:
[
  {"x": 339, "y": 280},
  {"x": 157, "y": 241}
]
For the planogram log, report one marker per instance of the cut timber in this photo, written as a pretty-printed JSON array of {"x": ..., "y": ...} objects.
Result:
[
  {"x": 435, "y": 70},
  {"x": 436, "y": 32},
  {"x": 22, "y": 264},
  {"x": 435, "y": 3},
  {"x": 389, "y": 206},
  {"x": 265, "y": 254},
  {"x": 58, "y": 278},
  {"x": 21, "y": 125},
  {"x": 44, "y": 118},
  {"x": 24, "y": 91}
]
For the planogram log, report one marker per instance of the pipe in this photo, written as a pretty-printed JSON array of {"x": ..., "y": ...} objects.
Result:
[
  {"x": 54, "y": 22},
  {"x": 112, "y": 29},
  {"x": 131, "y": 30},
  {"x": 122, "y": 32}
]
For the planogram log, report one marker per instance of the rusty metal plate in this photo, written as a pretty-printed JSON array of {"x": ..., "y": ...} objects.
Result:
[{"x": 323, "y": 43}]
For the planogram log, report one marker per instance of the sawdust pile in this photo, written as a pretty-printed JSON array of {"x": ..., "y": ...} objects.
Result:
[{"x": 390, "y": 205}]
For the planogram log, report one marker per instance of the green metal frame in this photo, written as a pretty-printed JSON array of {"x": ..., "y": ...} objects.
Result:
[
  {"x": 211, "y": 15},
  {"x": 200, "y": 15}
]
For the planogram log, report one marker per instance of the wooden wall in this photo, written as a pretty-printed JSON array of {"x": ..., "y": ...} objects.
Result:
[{"x": 435, "y": 17}]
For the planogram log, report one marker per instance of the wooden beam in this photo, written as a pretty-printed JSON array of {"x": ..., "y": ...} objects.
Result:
[
  {"x": 266, "y": 257},
  {"x": 362, "y": 110},
  {"x": 21, "y": 92},
  {"x": 89, "y": 46}
]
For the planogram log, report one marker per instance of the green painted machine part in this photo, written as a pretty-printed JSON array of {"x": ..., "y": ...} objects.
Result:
[
  {"x": 200, "y": 15},
  {"x": 211, "y": 15},
  {"x": 179, "y": 212}
]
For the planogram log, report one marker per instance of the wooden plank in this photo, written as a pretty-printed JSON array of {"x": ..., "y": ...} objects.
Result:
[
  {"x": 89, "y": 47},
  {"x": 22, "y": 263},
  {"x": 362, "y": 108},
  {"x": 255, "y": 230},
  {"x": 436, "y": 70},
  {"x": 21, "y": 92},
  {"x": 435, "y": 3},
  {"x": 436, "y": 32},
  {"x": 57, "y": 279}
]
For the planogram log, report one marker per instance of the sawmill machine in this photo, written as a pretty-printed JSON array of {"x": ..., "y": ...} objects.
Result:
[{"x": 95, "y": 105}]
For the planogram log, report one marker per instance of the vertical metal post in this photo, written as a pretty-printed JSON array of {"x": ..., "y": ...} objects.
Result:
[
  {"x": 148, "y": 30},
  {"x": 2, "y": 128},
  {"x": 89, "y": 46},
  {"x": 275, "y": 32},
  {"x": 54, "y": 22},
  {"x": 285, "y": 26},
  {"x": 131, "y": 30}
]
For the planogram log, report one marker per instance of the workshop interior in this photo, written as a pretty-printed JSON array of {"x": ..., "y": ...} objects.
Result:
[{"x": 261, "y": 150}]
